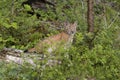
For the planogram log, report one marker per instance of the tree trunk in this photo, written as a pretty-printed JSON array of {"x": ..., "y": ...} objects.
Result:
[
  {"x": 90, "y": 16},
  {"x": 90, "y": 21}
]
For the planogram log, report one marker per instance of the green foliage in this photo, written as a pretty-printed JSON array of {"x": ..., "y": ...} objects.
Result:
[
  {"x": 100, "y": 63},
  {"x": 21, "y": 30},
  {"x": 27, "y": 8}
]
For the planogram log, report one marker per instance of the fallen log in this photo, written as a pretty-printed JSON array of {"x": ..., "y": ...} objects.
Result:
[{"x": 19, "y": 57}]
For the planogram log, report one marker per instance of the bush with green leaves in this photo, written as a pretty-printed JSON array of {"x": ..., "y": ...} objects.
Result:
[
  {"x": 78, "y": 62},
  {"x": 21, "y": 30}
]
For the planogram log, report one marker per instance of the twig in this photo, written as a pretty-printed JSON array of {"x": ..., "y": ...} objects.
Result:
[{"x": 117, "y": 16}]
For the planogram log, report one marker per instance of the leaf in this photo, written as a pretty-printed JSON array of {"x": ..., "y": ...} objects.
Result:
[
  {"x": 6, "y": 25},
  {"x": 1, "y": 39},
  {"x": 14, "y": 25},
  {"x": 27, "y": 7}
]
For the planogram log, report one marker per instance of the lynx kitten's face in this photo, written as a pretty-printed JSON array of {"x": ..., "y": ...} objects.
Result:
[{"x": 70, "y": 28}]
